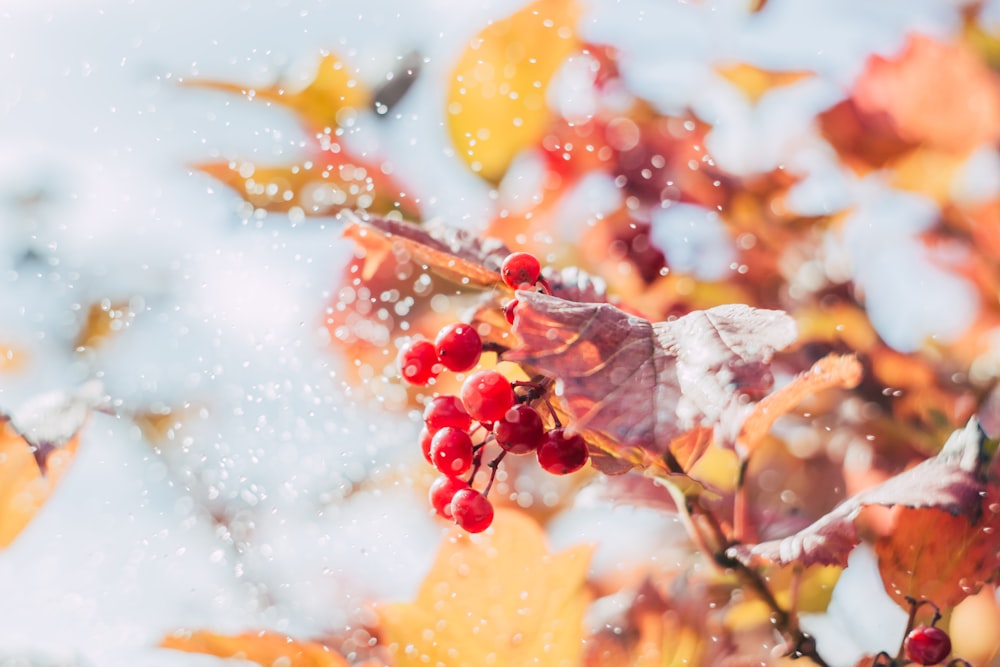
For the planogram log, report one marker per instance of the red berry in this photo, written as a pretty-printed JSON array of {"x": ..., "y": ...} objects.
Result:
[
  {"x": 441, "y": 493},
  {"x": 510, "y": 310},
  {"x": 442, "y": 411},
  {"x": 927, "y": 645},
  {"x": 451, "y": 451},
  {"x": 561, "y": 453},
  {"x": 418, "y": 362},
  {"x": 520, "y": 268},
  {"x": 426, "y": 437},
  {"x": 471, "y": 510},
  {"x": 487, "y": 395},
  {"x": 520, "y": 430},
  {"x": 458, "y": 347}
]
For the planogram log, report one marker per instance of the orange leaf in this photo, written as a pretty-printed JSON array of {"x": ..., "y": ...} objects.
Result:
[
  {"x": 496, "y": 98},
  {"x": 755, "y": 82},
  {"x": 496, "y": 599},
  {"x": 830, "y": 371},
  {"x": 933, "y": 555},
  {"x": 23, "y": 487},
  {"x": 266, "y": 648},
  {"x": 956, "y": 114},
  {"x": 329, "y": 183},
  {"x": 319, "y": 104}
]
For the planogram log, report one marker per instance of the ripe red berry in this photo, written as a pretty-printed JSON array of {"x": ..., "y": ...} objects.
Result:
[
  {"x": 426, "y": 437},
  {"x": 927, "y": 645},
  {"x": 487, "y": 395},
  {"x": 441, "y": 493},
  {"x": 520, "y": 430},
  {"x": 509, "y": 311},
  {"x": 451, "y": 451},
  {"x": 417, "y": 362},
  {"x": 458, "y": 347},
  {"x": 561, "y": 453},
  {"x": 442, "y": 411},
  {"x": 471, "y": 510},
  {"x": 520, "y": 268}
]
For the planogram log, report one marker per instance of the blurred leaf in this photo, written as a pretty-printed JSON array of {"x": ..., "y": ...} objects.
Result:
[
  {"x": 397, "y": 83},
  {"x": 949, "y": 481},
  {"x": 755, "y": 82},
  {"x": 830, "y": 371},
  {"x": 38, "y": 442},
  {"x": 496, "y": 599},
  {"x": 103, "y": 319},
  {"x": 332, "y": 90},
  {"x": 321, "y": 187},
  {"x": 496, "y": 96},
  {"x": 639, "y": 390},
  {"x": 270, "y": 649}
]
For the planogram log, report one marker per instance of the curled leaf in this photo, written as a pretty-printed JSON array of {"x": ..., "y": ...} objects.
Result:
[
  {"x": 950, "y": 481},
  {"x": 638, "y": 389},
  {"x": 455, "y": 254},
  {"x": 496, "y": 98}
]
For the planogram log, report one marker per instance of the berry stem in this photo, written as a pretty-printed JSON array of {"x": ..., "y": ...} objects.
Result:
[{"x": 493, "y": 465}]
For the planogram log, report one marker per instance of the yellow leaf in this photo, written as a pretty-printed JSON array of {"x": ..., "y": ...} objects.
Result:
[
  {"x": 499, "y": 598},
  {"x": 104, "y": 318},
  {"x": 23, "y": 487},
  {"x": 323, "y": 187},
  {"x": 928, "y": 172},
  {"x": 320, "y": 104},
  {"x": 496, "y": 98},
  {"x": 271, "y": 649},
  {"x": 755, "y": 82}
]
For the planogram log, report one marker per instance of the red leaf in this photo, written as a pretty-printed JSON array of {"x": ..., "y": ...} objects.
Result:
[
  {"x": 637, "y": 389},
  {"x": 951, "y": 481}
]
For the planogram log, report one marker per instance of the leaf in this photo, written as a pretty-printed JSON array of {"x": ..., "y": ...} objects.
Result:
[
  {"x": 104, "y": 318},
  {"x": 949, "y": 482},
  {"x": 636, "y": 388},
  {"x": 271, "y": 649},
  {"x": 496, "y": 95},
  {"x": 322, "y": 186},
  {"x": 935, "y": 555},
  {"x": 333, "y": 89},
  {"x": 755, "y": 82},
  {"x": 496, "y": 599},
  {"x": 455, "y": 254},
  {"x": 38, "y": 443}
]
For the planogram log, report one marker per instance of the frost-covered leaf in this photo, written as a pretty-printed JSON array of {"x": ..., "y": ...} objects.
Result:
[
  {"x": 950, "y": 481},
  {"x": 456, "y": 254},
  {"x": 755, "y": 82},
  {"x": 324, "y": 185},
  {"x": 940, "y": 556},
  {"x": 265, "y": 648},
  {"x": 332, "y": 89},
  {"x": 496, "y": 99},
  {"x": 496, "y": 599},
  {"x": 638, "y": 389},
  {"x": 38, "y": 442}
]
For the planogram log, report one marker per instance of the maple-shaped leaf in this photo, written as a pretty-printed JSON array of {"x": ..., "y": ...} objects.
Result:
[
  {"x": 324, "y": 185},
  {"x": 332, "y": 89},
  {"x": 263, "y": 647},
  {"x": 38, "y": 442},
  {"x": 951, "y": 482},
  {"x": 496, "y": 599},
  {"x": 496, "y": 99},
  {"x": 648, "y": 392}
]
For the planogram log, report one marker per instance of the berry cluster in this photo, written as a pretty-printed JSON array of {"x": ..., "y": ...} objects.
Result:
[{"x": 489, "y": 410}]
